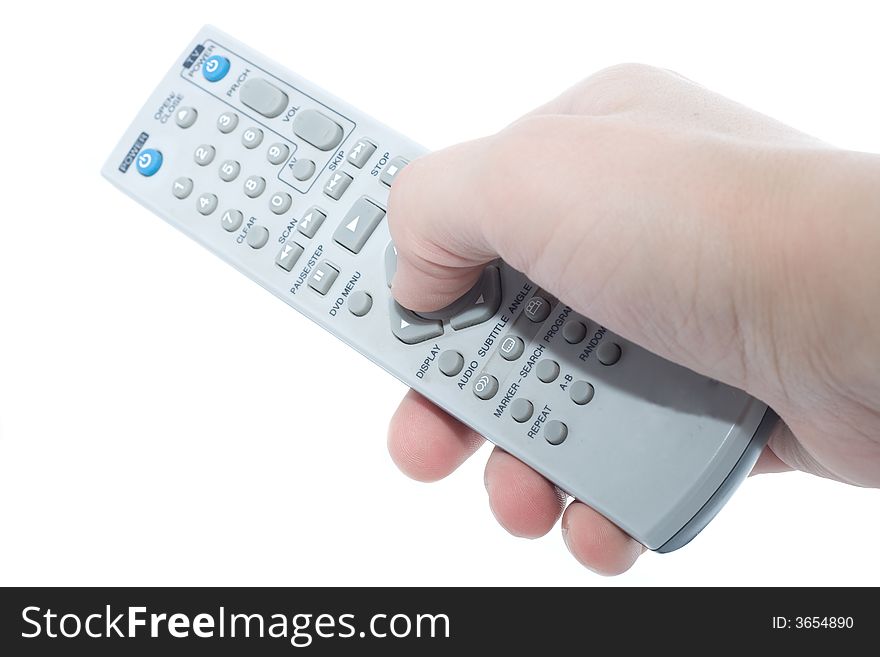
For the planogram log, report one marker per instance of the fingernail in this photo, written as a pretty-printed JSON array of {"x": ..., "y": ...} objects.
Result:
[{"x": 565, "y": 538}]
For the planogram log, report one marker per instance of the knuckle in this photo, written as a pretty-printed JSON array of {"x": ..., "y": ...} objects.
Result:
[{"x": 620, "y": 88}]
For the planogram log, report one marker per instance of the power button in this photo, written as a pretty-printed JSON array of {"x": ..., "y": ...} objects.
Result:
[{"x": 215, "y": 68}]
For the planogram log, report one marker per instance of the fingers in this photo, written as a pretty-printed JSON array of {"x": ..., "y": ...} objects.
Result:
[
  {"x": 596, "y": 542},
  {"x": 524, "y": 502},
  {"x": 432, "y": 215},
  {"x": 426, "y": 443},
  {"x": 768, "y": 463}
]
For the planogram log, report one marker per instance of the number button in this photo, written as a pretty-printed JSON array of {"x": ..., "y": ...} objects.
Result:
[
  {"x": 206, "y": 204},
  {"x": 231, "y": 220},
  {"x": 277, "y": 153},
  {"x": 254, "y": 186},
  {"x": 204, "y": 155},
  {"x": 252, "y": 137},
  {"x": 227, "y": 122},
  {"x": 215, "y": 68},
  {"x": 280, "y": 202},
  {"x": 229, "y": 170},
  {"x": 149, "y": 162},
  {"x": 182, "y": 187}
]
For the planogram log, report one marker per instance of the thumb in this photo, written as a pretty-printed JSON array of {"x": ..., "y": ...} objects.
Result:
[
  {"x": 435, "y": 215},
  {"x": 623, "y": 223}
]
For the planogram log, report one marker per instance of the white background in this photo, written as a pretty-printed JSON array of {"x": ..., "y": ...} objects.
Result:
[{"x": 165, "y": 421}]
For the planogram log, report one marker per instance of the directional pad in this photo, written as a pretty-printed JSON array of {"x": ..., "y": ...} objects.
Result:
[
  {"x": 410, "y": 328},
  {"x": 481, "y": 303}
]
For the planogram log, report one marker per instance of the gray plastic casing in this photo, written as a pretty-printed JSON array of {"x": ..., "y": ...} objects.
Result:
[{"x": 657, "y": 450}]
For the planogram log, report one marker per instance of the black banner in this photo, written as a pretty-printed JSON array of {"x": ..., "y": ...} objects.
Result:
[{"x": 333, "y": 621}]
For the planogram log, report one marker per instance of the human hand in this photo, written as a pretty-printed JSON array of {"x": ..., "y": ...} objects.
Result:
[{"x": 709, "y": 234}]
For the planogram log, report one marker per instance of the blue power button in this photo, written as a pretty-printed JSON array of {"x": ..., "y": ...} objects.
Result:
[
  {"x": 149, "y": 162},
  {"x": 215, "y": 68}
]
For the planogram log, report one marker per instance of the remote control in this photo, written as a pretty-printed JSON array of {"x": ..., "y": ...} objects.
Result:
[{"x": 290, "y": 185}]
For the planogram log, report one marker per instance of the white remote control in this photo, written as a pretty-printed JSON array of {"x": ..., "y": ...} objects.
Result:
[{"x": 290, "y": 185}]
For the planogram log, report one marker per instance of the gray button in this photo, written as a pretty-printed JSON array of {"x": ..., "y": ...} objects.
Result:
[
  {"x": 182, "y": 187},
  {"x": 252, "y": 137},
  {"x": 288, "y": 255},
  {"x": 303, "y": 169},
  {"x": 361, "y": 152},
  {"x": 390, "y": 173},
  {"x": 322, "y": 277},
  {"x": 410, "y": 328},
  {"x": 337, "y": 184},
  {"x": 450, "y": 362},
  {"x": 484, "y": 305},
  {"x": 206, "y": 204},
  {"x": 608, "y": 353},
  {"x": 574, "y": 331},
  {"x": 547, "y": 370},
  {"x": 486, "y": 386},
  {"x": 390, "y": 262},
  {"x": 204, "y": 155},
  {"x": 254, "y": 186},
  {"x": 358, "y": 224},
  {"x": 232, "y": 220},
  {"x": 280, "y": 202},
  {"x": 555, "y": 432},
  {"x": 537, "y": 309},
  {"x": 512, "y": 347},
  {"x": 359, "y": 303},
  {"x": 227, "y": 122},
  {"x": 521, "y": 409},
  {"x": 581, "y": 392},
  {"x": 257, "y": 237},
  {"x": 278, "y": 153},
  {"x": 229, "y": 170},
  {"x": 263, "y": 97},
  {"x": 311, "y": 222},
  {"x": 186, "y": 116},
  {"x": 317, "y": 129}
]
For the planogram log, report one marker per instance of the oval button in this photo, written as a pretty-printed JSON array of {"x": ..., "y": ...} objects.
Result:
[
  {"x": 319, "y": 130},
  {"x": 149, "y": 162},
  {"x": 215, "y": 68},
  {"x": 263, "y": 97}
]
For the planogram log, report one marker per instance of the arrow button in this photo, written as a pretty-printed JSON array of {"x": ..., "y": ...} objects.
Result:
[
  {"x": 410, "y": 328},
  {"x": 186, "y": 116},
  {"x": 288, "y": 255},
  {"x": 361, "y": 153},
  {"x": 359, "y": 224},
  {"x": 311, "y": 222},
  {"x": 486, "y": 303}
]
